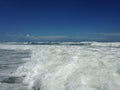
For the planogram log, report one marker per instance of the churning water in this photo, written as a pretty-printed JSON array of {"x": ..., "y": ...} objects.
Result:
[{"x": 63, "y": 66}]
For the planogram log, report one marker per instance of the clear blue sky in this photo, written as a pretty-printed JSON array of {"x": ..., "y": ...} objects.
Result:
[{"x": 95, "y": 19}]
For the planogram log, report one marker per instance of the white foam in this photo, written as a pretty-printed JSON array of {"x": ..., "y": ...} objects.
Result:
[
  {"x": 72, "y": 68},
  {"x": 16, "y": 47},
  {"x": 108, "y": 44}
]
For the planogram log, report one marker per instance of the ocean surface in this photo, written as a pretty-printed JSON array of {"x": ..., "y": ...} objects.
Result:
[{"x": 60, "y": 66}]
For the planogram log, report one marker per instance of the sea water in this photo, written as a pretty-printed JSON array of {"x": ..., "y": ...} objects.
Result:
[{"x": 60, "y": 66}]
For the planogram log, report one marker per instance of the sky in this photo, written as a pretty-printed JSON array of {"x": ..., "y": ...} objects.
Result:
[{"x": 97, "y": 20}]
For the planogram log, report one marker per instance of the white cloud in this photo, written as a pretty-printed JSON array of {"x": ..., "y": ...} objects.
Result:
[
  {"x": 90, "y": 37},
  {"x": 107, "y": 34},
  {"x": 53, "y": 37}
]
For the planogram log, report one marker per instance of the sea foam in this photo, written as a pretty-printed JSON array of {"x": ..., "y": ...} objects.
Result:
[{"x": 93, "y": 66}]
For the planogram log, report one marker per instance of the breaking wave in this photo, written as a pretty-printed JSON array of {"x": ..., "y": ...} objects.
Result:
[
  {"x": 105, "y": 44},
  {"x": 94, "y": 66}
]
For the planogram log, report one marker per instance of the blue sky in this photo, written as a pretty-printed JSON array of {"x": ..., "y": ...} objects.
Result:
[{"x": 60, "y": 19}]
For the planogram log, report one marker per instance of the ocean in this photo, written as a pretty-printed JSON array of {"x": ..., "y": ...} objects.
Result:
[{"x": 60, "y": 66}]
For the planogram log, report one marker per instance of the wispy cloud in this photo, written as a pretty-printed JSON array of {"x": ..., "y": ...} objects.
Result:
[
  {"x": 107, "y": 34},
  {"x": 46, "y": 37},
  {"x": 90, "y": 37},
  {"x": 53, "y": 37},
  {"x": 29, "y": 37}
]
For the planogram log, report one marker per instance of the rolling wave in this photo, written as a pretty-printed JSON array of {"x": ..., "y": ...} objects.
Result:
[{"x": 91, "y": 66}]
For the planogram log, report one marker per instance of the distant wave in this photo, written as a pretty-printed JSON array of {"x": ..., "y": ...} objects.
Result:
[
  {"x": 106, "y": 44},
  {"x": 48, "y": 43},
  {"x": 94, "y": 44}
]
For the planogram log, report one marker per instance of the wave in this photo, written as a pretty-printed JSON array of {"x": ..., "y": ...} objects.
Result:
[
  {"x": 65, "y": 67},
  {"x": 94, "y": 44}
]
